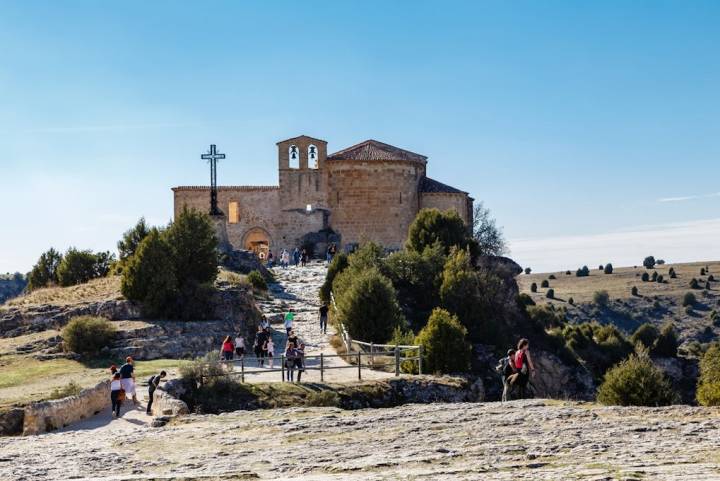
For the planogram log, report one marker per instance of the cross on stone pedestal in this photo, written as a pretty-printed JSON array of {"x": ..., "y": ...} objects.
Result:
[{"x": 212, "y": 157}]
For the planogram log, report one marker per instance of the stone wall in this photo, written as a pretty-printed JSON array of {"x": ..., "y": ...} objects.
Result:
[
  {"x": 447, "y": 201},
  {"x": 51, "y": 415}
]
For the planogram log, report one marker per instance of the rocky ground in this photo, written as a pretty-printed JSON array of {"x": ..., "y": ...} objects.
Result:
[{"x": 521, "y": 440}]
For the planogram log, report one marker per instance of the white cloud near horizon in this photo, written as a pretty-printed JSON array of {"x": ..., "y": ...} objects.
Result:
[
  {"x": 678, "y": 242},
  {"x": 688, "y": 197}
]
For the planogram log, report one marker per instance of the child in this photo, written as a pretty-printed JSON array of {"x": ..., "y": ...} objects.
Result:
[
  {"x": 117, "y": 394},
  {"x": 270, "y": 349}
]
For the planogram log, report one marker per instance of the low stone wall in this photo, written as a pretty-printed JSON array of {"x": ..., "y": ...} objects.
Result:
[
  {"x": 165, "y": 404},
  {"x": 50, "y": 415}
]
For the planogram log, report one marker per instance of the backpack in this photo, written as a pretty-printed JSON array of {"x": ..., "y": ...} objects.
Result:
[{"x": 504, "y": 367}]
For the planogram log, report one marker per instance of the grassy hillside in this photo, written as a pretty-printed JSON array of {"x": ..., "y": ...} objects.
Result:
[
  {"x": 103, "y": 289},
  {"x": 655, "y": 302}
]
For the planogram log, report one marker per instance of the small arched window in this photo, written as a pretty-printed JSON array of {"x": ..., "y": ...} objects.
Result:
[
  {"x": 294, "y": 157},
  {"x": 312, "y": 157}
]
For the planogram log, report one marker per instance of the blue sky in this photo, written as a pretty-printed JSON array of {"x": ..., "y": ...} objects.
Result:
[{"x": 594, "y": 125}]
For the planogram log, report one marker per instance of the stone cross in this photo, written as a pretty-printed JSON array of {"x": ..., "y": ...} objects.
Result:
[{"x": 212, "y": 157}]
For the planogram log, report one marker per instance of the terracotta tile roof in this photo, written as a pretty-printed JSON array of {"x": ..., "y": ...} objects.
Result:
[
  {"x": 431, "y": 186},
  {"x": 374, "y": 150}
]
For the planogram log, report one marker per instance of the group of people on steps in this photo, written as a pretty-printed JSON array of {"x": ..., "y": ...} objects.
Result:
[{"x": 123, "y": 385}]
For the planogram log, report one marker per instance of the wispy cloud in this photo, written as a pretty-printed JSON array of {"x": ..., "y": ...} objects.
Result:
[{"x": 688, "y": 197}]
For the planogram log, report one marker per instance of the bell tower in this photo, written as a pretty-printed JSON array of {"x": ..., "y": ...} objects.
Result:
[{"x": 301, "y": 172}]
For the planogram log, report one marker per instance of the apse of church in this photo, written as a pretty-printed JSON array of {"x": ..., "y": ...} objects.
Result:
[{"x": 369, "y": 191}]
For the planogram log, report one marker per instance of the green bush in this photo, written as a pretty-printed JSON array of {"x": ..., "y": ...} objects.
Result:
[
  {"x": 708, "y": 391},
  {"x": 702, "y": 271},
  {"x": 546, "y": 316},
  {"x": 44, "y": 273},
  {"x": 608, "y": 269},
  {"x": 659, "y": 279},
  {"x": 694, "y": 284},
  {"x": 533, "y": 287},
  {"x": 599, "y": 347},
  {"x": 601, "y": 298},
  {"x": 582, "y": 272},
  {"x": 646, "y": 335},
  {"x": 87, "y": 335},
  {"x": 672, "y": 273},
  {"x": 571, "y": 301},
  {"x": 433, "y": 226},
  {"x": 323, "y": 398},
  {"x": 545, "y": 283},
  {"x": 257, "y": 281},
  {"x": 552, "y": 277},
  {"x": 550, "y": 294},
  {"x": 528, "y": 270},
  {"x": 444, "y": 342},
  {"x": 636, "y": 382},
  {"x": 634, "y": 291},
  {"x": 649, "y": 262},
  {"x": 689, "y": 299},
  {"x": 402, "y": 337},
  {"x": 666, "y": 344},
  {"x": 78, "y": 267},
  {"x": 711, "y": 278},
  {"x": 337, "y": 265},
  {"x": 645, "y": 277},
  {"x": 654, "y": 276},
  {"x": 368, "y": 307},
  {"x": 149, "y": 277},
  {"x": 132, "y": 238},
  {"x": 525, "y": 300},
  {"x": 567, "y": 273}
]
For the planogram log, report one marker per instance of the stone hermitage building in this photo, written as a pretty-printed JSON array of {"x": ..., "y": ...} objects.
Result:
[{"x": 368, "y": 192}]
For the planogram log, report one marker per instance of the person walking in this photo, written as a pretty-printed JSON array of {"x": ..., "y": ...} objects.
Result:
[
  {"x": 323, "y": 318},
  {"x": 153, "y": 384},
  {"x": 296, "y": 256},
  {"x": 303, "y": 258},
  {"x": 292, "y": 339},
  {"x": 270, "y": 349},
  {"x": 289, "y": 319},
  {"x": 240, "y": 346},
  {"x": 290, "y": 356},
  {"x": 117, "y": 394},
  {"x": 506, "y": 369},
  {"x": 300, "y": 361},
  {"x": 127, "y": 378},
  {"x": 227, "y": 349},
  {"x": 270, "y": 259},
  {"x": 260, "y": 339}
]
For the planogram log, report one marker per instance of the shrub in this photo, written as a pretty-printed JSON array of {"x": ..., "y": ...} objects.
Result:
[
  {"x": 601, "y": 267},
  {"x": 546, "y": 316},
  {"x": 337, "y": 265},
  {"x": 672, "y": 273},
  {"x": 702, "y": 271},
  {"x": 545, "y": 283},
  {"x": 582, "y": 272},
  {"x": 324, "y": 398},
  {"x": 149, "y": 277},
  {"x": 567, "y": 273},
  {"x": 257, "y": 280},
  {"x": 634, "y": 291},
  {"x": 369, "y": 308},
  {"x": 645, "y": 277},
  {"x": 525, "y": 300},
  {"x": 649, "y": 262},
  {"x": 70, "y": 389},
  {"x": 87, "y": 335},
  {"x": 78, "y": 267},
  {"x": 636, "y": 382},
  {"x": 44, "y": 273},
  {"x": 528, "y": 270},
  {"x": 659, "y": 279},
  {"x": 654, "y": 276},
  {"x": 552, "y": 277},
  {"x": 601, "y": 298},
  {"x": 708, "y": 286},
  {"x": 533, "y": 287},
  {"x": 444, "y": 343},
  {"x": 608, "y": 269},
  {"x": 694, "y": 284},
  {"x": 431, "y": 226},
  {"x": 571, "y": 301},
  {"x": 550, "y": 294},
  {"x": 402, "y": 337},
  {"x": 646, "y": 335},
  {"x": 708, "y": 391},
  {"x": 689, "y": 299},
  {"x": 666, "y": 344},
  {"x": 599, "y": 347},
  {"x": 711, "y": 278},
  {"x": 660, "y": 262},
  {"x": 132, "y": 238}
]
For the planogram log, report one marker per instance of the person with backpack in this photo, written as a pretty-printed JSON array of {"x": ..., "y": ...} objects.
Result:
[
  {"x": 153, "y": 384},
  {"x": 506, "y": 368},
  {"x": 523, "y": 365},
  {"x": 117, "y": 395}
]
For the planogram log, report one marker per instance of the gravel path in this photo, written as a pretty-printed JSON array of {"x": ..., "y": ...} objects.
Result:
[{"x": 520, "y": 440}]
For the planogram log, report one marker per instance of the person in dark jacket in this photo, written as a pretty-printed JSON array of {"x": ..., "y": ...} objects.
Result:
[{"x": 152, "y": 386}]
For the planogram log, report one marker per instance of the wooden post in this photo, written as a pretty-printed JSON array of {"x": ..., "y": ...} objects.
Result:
[
  {"x": 359, "y": 365},
  {"x": 322, "y": 365},
  {"x": 282, "y": 366},
  {"x": 420, "y": 356},
  {"x": 242, "y": 369},
  {"x": 372, "y": 357},
  {"x": 397, "y": 360}
]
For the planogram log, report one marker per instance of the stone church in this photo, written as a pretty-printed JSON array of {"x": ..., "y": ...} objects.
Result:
[{"x": 370, "y": 191}]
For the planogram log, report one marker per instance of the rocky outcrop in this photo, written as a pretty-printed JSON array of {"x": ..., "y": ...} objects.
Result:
[
  {"x": 50, "y": 415},
  {"x": 167, "y": 404},
  {"x": 244, "y": 262},
  {"x": 11, "y": 421}
]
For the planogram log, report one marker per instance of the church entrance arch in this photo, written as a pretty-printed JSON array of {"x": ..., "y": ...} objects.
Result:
[{"x": 257, "y": 240}]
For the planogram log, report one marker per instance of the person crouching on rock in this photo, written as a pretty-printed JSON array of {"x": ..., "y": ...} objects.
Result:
[
  {"x": 153, "y": 384},
  {"x": 116, "y": 395},
  {"x": 127, "y": 378},
  {"x": 226, "y": 352},
  {"x": 523, "y": 365}
]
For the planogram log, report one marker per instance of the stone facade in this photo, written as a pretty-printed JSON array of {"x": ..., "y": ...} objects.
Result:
[{"x": 368, "y": 192}]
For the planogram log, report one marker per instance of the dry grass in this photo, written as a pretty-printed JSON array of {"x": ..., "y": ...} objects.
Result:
[
  {"x": 106, "y": 288},
  {"x": 619, "y": 283},
  {"x": 233, "y": 278}
]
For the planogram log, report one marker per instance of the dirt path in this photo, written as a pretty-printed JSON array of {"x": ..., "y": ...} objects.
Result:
[{"x": 297, "y": 290}]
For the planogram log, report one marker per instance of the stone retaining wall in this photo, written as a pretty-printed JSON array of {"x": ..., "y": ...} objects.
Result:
[{"x": 50, "y": 415}]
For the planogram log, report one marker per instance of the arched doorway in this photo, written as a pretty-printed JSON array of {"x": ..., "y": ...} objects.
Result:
[{"x": 257, "y": 240}]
